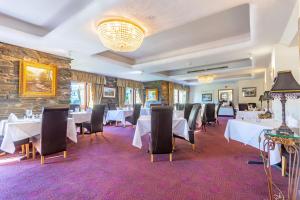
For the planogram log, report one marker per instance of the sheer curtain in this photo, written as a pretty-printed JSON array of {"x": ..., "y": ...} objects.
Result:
[{"x": 122, "y": 84}]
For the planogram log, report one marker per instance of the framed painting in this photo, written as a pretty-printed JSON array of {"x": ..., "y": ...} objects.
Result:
[
  {"x": 225, "y": 95},
  {"x": 151, "y": 94},
  {"x": 207, "y": 97},
  {"x": 249, "y": 91},
  {"x": 37, "y": 80},
  {"x": 109, "y": 92}
]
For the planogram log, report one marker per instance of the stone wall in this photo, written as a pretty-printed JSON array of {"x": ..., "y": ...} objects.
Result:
[
  {"x": 163, "y": 90},
  {"x": 110, "y": 82},
  {"x": 10, "y": 101}
]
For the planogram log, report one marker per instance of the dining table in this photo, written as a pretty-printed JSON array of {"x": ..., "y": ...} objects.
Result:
[
  {"x": 248, "y": 115},
  {"x": 27, "y": 128},
  {"x": 250, "y": 133},
  {"x": 80, "y": 117},
  {"x": 143, "y": 127},
  {"x": 118, "y": 115}
]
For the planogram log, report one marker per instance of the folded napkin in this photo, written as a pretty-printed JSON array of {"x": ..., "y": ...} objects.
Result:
[
  {"x": 292, "y": 122},
  {"x": 12, "y": 117}
]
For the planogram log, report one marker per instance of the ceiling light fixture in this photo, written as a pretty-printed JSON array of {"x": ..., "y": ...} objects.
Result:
[
  {"x": 206, "y": 78},
  {"x": 120, "y": 35}
]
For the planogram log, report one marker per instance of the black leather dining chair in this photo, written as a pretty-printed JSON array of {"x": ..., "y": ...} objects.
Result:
[
  {"x": 53, "y": 133},
  {"x": 112, "y": 106},
  {"x": 73, "y": 107},
  {"x": 135, "y": 115},
  {"x": 161, "y": 131},
  {"x": 209, "y": 115},
  {"x": 252, "y": 104},
  {"x": 243, "y": 106},
  {"x": 95, "y": 125},
  {"x": 192, "y": 122},
  {"x": 187, "y": 110}
]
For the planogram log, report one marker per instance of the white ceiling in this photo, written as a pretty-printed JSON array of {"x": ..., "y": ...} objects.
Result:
[{"x": 180, "y": 34}]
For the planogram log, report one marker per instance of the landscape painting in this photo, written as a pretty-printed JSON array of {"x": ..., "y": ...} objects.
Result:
[
  {"x": 249, "y": 91},
  {"x": 151, "y": 94},
  {"x": 207, "y": 97},
  {"x": 37, "y": 80},
  {"x": 109, "y": 92}
]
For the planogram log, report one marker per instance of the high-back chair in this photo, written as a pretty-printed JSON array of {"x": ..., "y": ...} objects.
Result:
[
  {"x": 243, "y": 106},
  {"x": 135, "y": 115},
  {"x": 187, "y": 110},
  {"x": 252, "y": 104},
  {"x": 73, "y": 107},
  {"x": 192, "y": 122},
  {"x": 112, "y": 106},
  {"x": 161, "y": 131},
  {"x": 53, "y": 133},
  {"x": 209, "y": 115},
  {"x": 95, "y": 125}
]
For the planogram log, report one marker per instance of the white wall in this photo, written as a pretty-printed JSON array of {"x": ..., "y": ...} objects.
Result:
[
  {"x": 197, "y": 91},
  {"x": 260, "y": 88}
]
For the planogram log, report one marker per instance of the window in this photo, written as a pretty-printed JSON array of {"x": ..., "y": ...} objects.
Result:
[
  {"x": 81, "y": 94},
  {"x": 138, "y": 99},
  {"x": 179, "y": 96},
  {"x": 176, "y": 96},
  {"x": 182, "y": 96},
  {"x": 129, "y": 96}
]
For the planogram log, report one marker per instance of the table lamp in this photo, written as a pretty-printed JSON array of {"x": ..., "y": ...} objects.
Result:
[
  {"x": 261, "y": 98},
  {"x": 285, "y": 87},
  {"x": 267, "y": 97}
]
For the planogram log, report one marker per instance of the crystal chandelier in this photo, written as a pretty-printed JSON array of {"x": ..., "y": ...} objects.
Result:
[
  {"x": 120, "y": 35},
  {"x": 206, "y": 78}
]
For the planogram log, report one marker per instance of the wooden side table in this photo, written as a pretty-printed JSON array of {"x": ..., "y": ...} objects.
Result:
[{"x": 292, "y": 146}]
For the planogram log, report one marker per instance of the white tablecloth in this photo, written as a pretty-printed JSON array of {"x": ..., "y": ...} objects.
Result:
[
  {"x": 23, "y": 129},
  {"x": 80, "y": 117},
  {"x": 145, "y": 111},
  {"x": 248, "y": 133},
  {"x": 143, "y": 127},
  {"x": 118, "y": 115},
  {"x": 226, "y": 111},
  {"x": 248, "y": 115}
]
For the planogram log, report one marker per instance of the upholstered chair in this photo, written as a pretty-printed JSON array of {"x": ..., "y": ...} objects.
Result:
[
  {"x": 96, "y": 124},
  {"x": 187, "y": 110},
  {"x": 243, "y": 106},
  {"x": 192, "y": 122},
  {"x": 53, "y": 133},
  {"x": 161, "y": 131},
  {"x": 135, "y": 115},
  {"x": 73, "y": 107},
  {"x": 209, "y": 115},
  {"x": 252, "y": 104},
  {"x": 112, "y": 106}
]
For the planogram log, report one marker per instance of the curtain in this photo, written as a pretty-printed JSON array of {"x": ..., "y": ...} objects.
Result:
[
  {"x": 80, "y": 76},
  {"x": 130, "y": 83},
  {"x": 171, "y": 94},
  {"x": 121, "y": 95},
  {"x": 97, "y": 92}
]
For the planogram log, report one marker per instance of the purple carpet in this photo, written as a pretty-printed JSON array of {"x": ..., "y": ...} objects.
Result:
[{"x": 110, "y": 168}]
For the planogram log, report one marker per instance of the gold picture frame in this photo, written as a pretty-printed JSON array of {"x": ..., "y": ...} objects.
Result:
[
  {"x": 37, "y": 80},
  {"x": 151, "y": 94}
]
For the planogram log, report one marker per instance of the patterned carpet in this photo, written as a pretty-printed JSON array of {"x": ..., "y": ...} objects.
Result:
[{"x": 110, "y": 168}]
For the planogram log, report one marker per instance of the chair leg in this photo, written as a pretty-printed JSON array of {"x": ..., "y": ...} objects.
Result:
[
  {"x": 151, "y": 157},
  {"x": 193, "y": 147},
  {"x": 42, "y": 160},
  {"x": 283, "y": 165},
  {"x": 173, "y": 143},
  {"x": 23, "y": 149},
  {"x": 33, "y": 152},
  {"x": 27, "y": 150},
  {"x": 170, "y": 157},
  {"x": 65, "y": 154}
]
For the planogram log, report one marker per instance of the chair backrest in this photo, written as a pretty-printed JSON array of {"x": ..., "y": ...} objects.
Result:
[
  {"x": 112, "y": 106},
  {"x": 97, "y": 118},
  {"x": 187, "y": 110},
  {"x": 136, "y": 112},
  {"x": 210, "y": 112},
  {"x": 243, "y": 106},
  {"x": 161, "y": 130},
  {"x": 193, "y": 116},
  {"x": 252, "y": 104},
  {"x": 54, "y": 130},
  {"x": 74, "y": 106},
  {"x": 218, "y": 109}
]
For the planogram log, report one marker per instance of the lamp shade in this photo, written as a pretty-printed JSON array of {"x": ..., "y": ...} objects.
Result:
[
  {"x": 267, "y": 96},
  {"x": 261, "y": 98},
  {"x": 285, "y": 83}
]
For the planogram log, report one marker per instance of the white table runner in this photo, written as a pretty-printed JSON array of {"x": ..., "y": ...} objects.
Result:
[
  {"x": 248, "y": 132},
  {"x": 143, "y": 127},
  {"x": 23, "y": 129}
]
